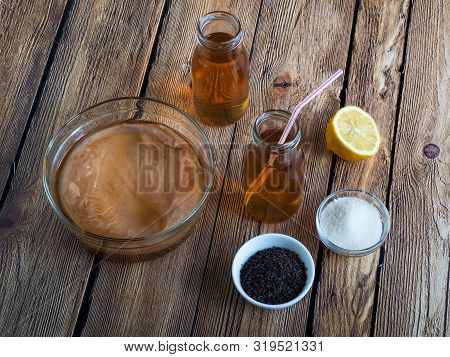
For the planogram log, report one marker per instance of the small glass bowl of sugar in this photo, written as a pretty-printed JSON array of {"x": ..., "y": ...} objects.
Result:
[{"x": 352, "y": 222}]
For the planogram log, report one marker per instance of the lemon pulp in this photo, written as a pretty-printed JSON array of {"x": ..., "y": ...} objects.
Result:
[{"x": 352, "y": 134}]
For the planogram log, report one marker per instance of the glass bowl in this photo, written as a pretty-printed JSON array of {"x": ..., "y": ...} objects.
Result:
[
  {"x": 372, "y": 199},
  {"x": 116, "y": 111}
]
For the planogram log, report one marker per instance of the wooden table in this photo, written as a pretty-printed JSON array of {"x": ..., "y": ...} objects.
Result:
[{"x": 58, "y": 57}]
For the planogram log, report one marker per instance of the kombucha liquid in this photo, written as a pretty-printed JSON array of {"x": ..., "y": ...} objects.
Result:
[
  {"x": 130, "y": 180},
  {"x": 280, "y": 195},
  {"x": 220, "y": 82}
]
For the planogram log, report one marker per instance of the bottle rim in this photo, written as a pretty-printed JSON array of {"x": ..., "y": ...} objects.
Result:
[
  {"x": 219, "y": 16},
  {"x": 278, "y": 148}
]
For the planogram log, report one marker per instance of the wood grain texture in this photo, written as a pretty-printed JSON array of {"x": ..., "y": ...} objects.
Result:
[
  {"x": 345, "y": 294},
  {"x": 103, "y": 53},
  {"x": 27, "y": 31},
  {"x": 302, "y": 43},
  {"x": 414, "y": 280},
  {"x": 160, "y": 297}
]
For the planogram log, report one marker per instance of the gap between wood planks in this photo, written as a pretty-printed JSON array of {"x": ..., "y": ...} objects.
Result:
[
  {"x": 83, "y": 313},
  {"x": 391, "y": 167},
  {"x": 446, "y": 305},
  {"x": 37, "y": 99},
  {"x": 342, "y": 97}
]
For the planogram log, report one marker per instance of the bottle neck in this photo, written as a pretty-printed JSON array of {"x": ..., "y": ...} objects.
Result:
[
  {"x": 267, "y": 131},
  {"x": 219, "y": 31}
]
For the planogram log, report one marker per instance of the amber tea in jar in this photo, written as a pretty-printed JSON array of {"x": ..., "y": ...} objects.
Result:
[
  {"x": 273, "y": 173},
  {"x": 220, "y": 70}
]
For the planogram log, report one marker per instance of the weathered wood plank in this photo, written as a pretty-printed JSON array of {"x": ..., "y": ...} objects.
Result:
[
  {"x": 345, "y": 294},
  {"x": 160, "y": 297},
  {"x": 27, "y": 31},
  {"x": 301, "y": 42},
  {"x": 103, "y": 53},
  {"x": 414, "y": 280}
]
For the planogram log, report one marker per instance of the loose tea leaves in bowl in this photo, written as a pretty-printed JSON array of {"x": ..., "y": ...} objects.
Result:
[{"x": 273, "y": 276}]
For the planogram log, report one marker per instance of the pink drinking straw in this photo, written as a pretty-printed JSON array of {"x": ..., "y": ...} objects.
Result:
[
  {"x": 305, "y": 102},
  {"x": 256, "y": 184}
]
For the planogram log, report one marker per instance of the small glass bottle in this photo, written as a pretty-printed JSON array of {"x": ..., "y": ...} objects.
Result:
[
  {"x": 273, "y": 174},
  {"x": 220, "y": 70}
]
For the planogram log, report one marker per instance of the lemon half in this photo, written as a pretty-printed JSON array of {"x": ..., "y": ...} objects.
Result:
[{"x": 352, "y": 134}]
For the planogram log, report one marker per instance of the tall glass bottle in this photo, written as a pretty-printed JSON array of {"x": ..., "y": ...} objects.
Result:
[{"x": 220, "y": 70}]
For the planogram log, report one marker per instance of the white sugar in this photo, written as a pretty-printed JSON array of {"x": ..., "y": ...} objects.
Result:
[{"x": 351, "y": 223}]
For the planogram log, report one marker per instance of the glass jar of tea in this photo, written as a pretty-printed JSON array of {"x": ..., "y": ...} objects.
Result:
[
  {"x": 273, "y": 176},
  {"x": 220, "y": 70}
]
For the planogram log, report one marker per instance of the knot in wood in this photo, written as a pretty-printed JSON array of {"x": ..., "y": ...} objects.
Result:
[
  {"x": 431, "y": 151},
  {"x": 282, "y": 83}
]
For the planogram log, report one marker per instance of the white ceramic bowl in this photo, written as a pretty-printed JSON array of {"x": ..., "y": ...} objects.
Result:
[{"x": 265, "y": 241}]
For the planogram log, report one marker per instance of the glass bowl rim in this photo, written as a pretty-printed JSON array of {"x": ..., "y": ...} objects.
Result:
[
  {"x": 78, "y": 230},
  {"x": 381, "y": 208}
]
